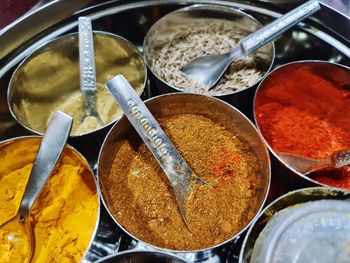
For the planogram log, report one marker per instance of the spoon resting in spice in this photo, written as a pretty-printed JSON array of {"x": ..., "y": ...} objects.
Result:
[
  {"x": 88, "y": 86},
  {"x": 305, "y": 165},
  {"x": 209, "y": 69},
  {"x": 18, "y": 231},
  {"x": 178, "y": 172}
]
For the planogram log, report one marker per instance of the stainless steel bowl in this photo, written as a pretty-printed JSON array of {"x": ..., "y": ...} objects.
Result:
[
  {"x": 335, "y": 73},
  {"x": 24, "y": 141},
  {"x": 290, "y": 199},
  {"x": 181, "y": 103},
  {"x": 31, "y": 104},
  {"x": 170, "y": 27},
  {"x": 141, "y": 257}
]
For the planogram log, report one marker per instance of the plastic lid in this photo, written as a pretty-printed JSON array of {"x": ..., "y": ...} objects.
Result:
[{"x": 317, "y": 231}]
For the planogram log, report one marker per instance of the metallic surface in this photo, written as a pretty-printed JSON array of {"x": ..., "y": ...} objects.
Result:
[
  {"x": 307, "y": 165},
  {"x": 209, "y": 69},
  {"x": 287, "y": 200},
  {"x": 25, "y": 140},
  {"x": 167, "y": 28},
  {"x": 48, "y": 155},
  {"x": 333, "y": 72},
  {"x": 45, "y": 161},
  {"x": 317, "y": 231},
  {"x": 178, "y": 172},
  {"x": 180, "y": 103},
  {"x": 87, "y": 67},
  {"x": 47, "y": 96},
  {"x": 323, "y": 36},
  {"x": 142, "y": 257}
]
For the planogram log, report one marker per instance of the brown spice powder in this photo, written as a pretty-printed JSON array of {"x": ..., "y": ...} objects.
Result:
[{"x": 143, "y": 201}]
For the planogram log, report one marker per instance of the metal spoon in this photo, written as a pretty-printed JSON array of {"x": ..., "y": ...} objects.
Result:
[
  {"x": 87, "y": 69},
  {"x": 18, "y": 229},
  {"x": 179, "y": 173},
  {"x": 209, "y": 69},
  {"x": 305, "y": 165}
]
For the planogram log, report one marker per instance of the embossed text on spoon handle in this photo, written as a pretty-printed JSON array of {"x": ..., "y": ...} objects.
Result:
[
  {"x": 266, "y": 34},
  {"x": 47, "y": 156},
  {"x": 173, "y": 165},
  {"x": 150, "y": 131},
  {"x": 87, "y": 63}
]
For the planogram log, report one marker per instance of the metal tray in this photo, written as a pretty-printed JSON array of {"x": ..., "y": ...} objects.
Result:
[{"x": 324, "y": 36}]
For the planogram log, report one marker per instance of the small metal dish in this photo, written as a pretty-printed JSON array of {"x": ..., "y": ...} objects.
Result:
[
  {"x": 171, "y": 27},
  {"x": 141, "y": 257},
  {"x": 334, "y": 73},
  {"x": 26, "y": 142},
  {"x": 181, "y": 103},
  {"x": 48, "y": 80},
  {"x": 288, "y": 200}
]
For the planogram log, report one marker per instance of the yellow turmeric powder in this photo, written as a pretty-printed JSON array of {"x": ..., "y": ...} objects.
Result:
[{"x": 63, "y": 217}]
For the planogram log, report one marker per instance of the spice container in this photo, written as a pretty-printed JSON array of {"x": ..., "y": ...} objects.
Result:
[
  {"x": 319, "y": 200},
  {"x": 302, "y": 108},
  {"x": 142, "y": 256},
  {"x": 65, "y": 216},
  {"x": 219, "y": 143},
  {"x": 200, "y": 30},
  {"x": 48, "y": 80}
]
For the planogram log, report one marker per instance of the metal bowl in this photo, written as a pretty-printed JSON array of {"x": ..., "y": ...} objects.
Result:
[
  {"x": 181, "y": 103},
  {"x": 141, "y": 257},
  {"x": 32, "y": 99},
  {"x": 170, "y": 27},
  {"x": 332, "y": 72},
  {"x": 26, "y": 141},
  {"x": 287, "y": 200}
]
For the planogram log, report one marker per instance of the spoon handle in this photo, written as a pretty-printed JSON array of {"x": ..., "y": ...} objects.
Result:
[
  {"x": 87, "y": 63},
  {"x": 47, "y": 156},
  {"x": 150, "y": 131},
  {"x": 174, "y": 166},
  {"x": 268, "y": 33},
  {"x": 341, "y": 158}
]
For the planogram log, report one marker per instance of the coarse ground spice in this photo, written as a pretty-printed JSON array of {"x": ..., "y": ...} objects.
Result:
[
  {"x": 207, "y": 37},
  {"x": 308, "y": 115},
  {"x": 143, "y": 201}
]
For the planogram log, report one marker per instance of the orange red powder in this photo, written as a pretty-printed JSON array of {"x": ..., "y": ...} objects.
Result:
[{"x": 304, "y": 112}]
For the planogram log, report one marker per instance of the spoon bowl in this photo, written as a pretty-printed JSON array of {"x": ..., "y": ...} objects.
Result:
[
  {"x": 306, "y": 165},
  {"x": 18, "y": 230},
  {"x": 209, "y": 69},
  {"x": 20, "y": 237}
]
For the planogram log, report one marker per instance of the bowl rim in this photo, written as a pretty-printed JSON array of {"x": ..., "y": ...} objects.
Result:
[
  {"x": 259, "y": 208},
  {"x": 217, "y": 7},
  {"x": 39, "y": 50},
  {"x": 318, "y": 189},
  {"x": 140, "y": 252},
  {"x": 86, "y": 163},
  {"x": 256, "y": 94}
]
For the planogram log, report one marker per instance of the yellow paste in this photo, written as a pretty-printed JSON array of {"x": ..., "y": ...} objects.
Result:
[
  {"x": 65, "y": 213},
  {"x": 50, "y": 81},
  {"x": 15, "y": 251}
]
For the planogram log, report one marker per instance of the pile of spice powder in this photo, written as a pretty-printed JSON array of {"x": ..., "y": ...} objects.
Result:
[
  {"x": 64, "y": 215},
  {"x": 307, "y": 115},
  {"x": 143, "y": 201}
]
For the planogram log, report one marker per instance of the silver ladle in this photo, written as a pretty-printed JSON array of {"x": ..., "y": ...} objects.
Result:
[
  {"x": 18, "y": 229},
  {"x": 209, "y": 69},
  {"x": 305, "y": 165},
  {"x": 176, "y": 169},
  {"x": 87, "y": 69}
]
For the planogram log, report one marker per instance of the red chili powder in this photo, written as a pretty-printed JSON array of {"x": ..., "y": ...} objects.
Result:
[{"x": 304, "y": 112}]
